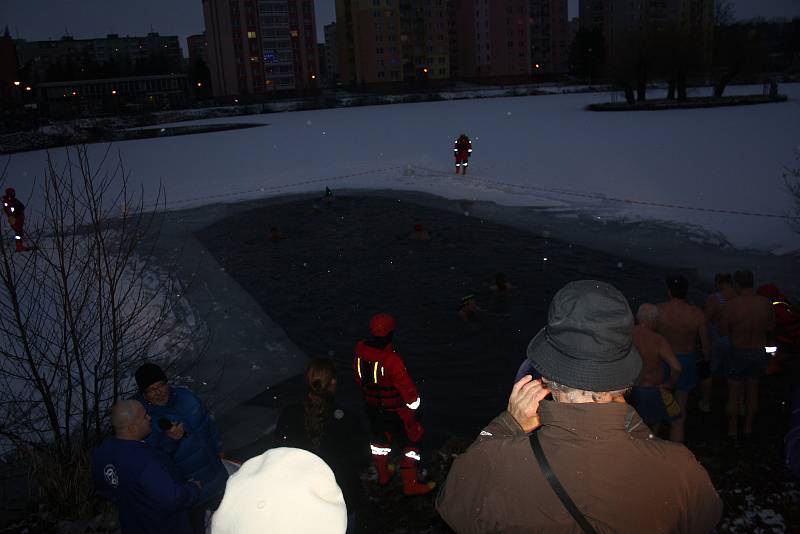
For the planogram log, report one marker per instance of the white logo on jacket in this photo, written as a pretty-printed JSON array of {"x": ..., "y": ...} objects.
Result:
[{"x": 110, "y": 472}]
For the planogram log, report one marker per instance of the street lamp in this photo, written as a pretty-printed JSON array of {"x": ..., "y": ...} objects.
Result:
[
  {"x": 17, "y": 82},
  {"x": 28, "y": 88},
  {"x": 113, "y": 91},
  {"x": 199, "y": 84}
]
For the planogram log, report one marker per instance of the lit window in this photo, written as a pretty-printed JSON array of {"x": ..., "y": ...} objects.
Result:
[{"x": 251, "y": 35}]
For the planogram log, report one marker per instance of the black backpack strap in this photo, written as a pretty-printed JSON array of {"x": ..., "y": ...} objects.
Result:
[{"x": 556, "y": 485}]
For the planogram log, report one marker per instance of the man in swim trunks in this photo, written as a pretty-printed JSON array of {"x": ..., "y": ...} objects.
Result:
[
  {"x": 682, "y": 324},
  {"x": 720, "y": 345},
  {"x": 655, "y": 351},
  {"x": 749, "y": 321}
]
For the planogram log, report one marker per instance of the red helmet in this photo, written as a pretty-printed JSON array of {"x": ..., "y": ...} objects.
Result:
[
  {"x": 382, "y": 324},
  {"x": 10, "y": 192}
]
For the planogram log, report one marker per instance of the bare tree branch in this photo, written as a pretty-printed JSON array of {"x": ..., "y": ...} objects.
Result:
[{"x": 81, "y": 311}]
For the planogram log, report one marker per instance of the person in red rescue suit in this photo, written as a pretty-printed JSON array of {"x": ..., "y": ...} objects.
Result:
[
  {"x": 787, "y": 328},
  {"x": 15, "y": 211},
  {"x": 391, "y": 400},
  {"x": 462, "y": 150}
]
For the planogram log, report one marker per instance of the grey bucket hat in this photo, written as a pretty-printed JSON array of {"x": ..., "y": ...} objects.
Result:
[{"x": 588, "y": 341}]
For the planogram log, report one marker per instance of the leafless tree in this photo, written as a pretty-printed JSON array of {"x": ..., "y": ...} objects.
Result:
[
  {"x": 724, "y": 13},
  {"x": 631, "y": 63},
  {"x": 77, "y": 314}
]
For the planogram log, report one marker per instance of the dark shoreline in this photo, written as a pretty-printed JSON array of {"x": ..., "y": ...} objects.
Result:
[
  {"x": 663, "y": 104},
  {"x": 99, "y": 134}
]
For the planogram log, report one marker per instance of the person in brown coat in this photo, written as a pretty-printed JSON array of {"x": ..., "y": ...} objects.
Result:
[{"x": 615, "y": 473}]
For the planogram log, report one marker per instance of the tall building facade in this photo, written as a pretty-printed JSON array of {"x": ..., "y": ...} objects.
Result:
[
  {"x": 10, "y": 84},
  {"x": 403, "y": 40},
  {"x": 596, "y": 14},
  {"x": 331, "y": 54},
  {"x": 550, "y": 36},
  {"x": 494, "y": 38},
  {"x": 260, "y": 46},
  {"x": 39, "y": 56},
  {"x": 392, "y": 40},
  {"x": 197, "y": 47},
  {"x": 303, "y": 33}
]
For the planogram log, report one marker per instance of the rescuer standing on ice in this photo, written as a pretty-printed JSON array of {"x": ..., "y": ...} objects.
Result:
[
  {"x": 15, "y": 211},
  {"x": 462, "y": 150}
]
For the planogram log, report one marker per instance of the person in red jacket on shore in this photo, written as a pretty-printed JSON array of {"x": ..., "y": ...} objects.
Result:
[
  {"x": 462, "y": 151},
  {"x": 391, "y": 400},
  {"x": 15, "y": 211},
  {"x": 787, "y": 320},
  {"x": 787, "y": 329}
]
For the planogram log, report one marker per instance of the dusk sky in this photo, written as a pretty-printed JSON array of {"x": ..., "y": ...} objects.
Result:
[{"x": 43, "y": 19}]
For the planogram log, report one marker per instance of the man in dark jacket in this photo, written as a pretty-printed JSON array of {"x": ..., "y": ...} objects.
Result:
[
  {"x": 139, "y": 479},
  {"x": 183, "y": 428},
  {"x": 618, "y": 475}
]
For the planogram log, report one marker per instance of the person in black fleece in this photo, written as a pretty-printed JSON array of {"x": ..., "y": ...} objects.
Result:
[{"x": 320, "y": 426}]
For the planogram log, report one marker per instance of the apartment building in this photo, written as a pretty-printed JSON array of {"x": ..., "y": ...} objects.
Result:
[
  {"x": 550, "y": 37},
  {"x": 261, "y": 46}
]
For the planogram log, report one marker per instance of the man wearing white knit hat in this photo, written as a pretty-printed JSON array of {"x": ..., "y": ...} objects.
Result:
[{"x": 282, "y": 491}]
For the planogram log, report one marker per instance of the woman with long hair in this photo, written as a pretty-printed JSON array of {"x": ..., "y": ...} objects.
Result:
[
  {"x": 321, "y": 383},
  {"x": 320, "y": 426}
]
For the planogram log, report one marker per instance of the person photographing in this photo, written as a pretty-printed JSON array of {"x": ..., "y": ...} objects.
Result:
[
  {"x": 583, "y": 459},
  {"x": 183, "y": 429}
]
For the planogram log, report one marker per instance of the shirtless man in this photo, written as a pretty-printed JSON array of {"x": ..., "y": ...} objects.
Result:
[
  {"x": 682, "y": 325},
  {"x": 648, "y": 394},
  {"x": 720, "y": 345},
  {"x": 749, "y": 321}
]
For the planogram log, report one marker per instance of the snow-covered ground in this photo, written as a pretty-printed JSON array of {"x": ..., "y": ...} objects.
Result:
[{"x": 539, "y": 151}]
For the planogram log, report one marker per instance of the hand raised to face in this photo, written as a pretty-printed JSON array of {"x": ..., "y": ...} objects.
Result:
[{"x": 523, "y": 404}]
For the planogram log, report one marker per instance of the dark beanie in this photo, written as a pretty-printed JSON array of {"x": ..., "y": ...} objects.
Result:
[{"x": 147, "y": 375}]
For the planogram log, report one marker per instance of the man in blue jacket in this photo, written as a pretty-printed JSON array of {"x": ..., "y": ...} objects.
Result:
[
  {"x": 183, "y": 428},
  {"x": 139, "y": 479}
]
